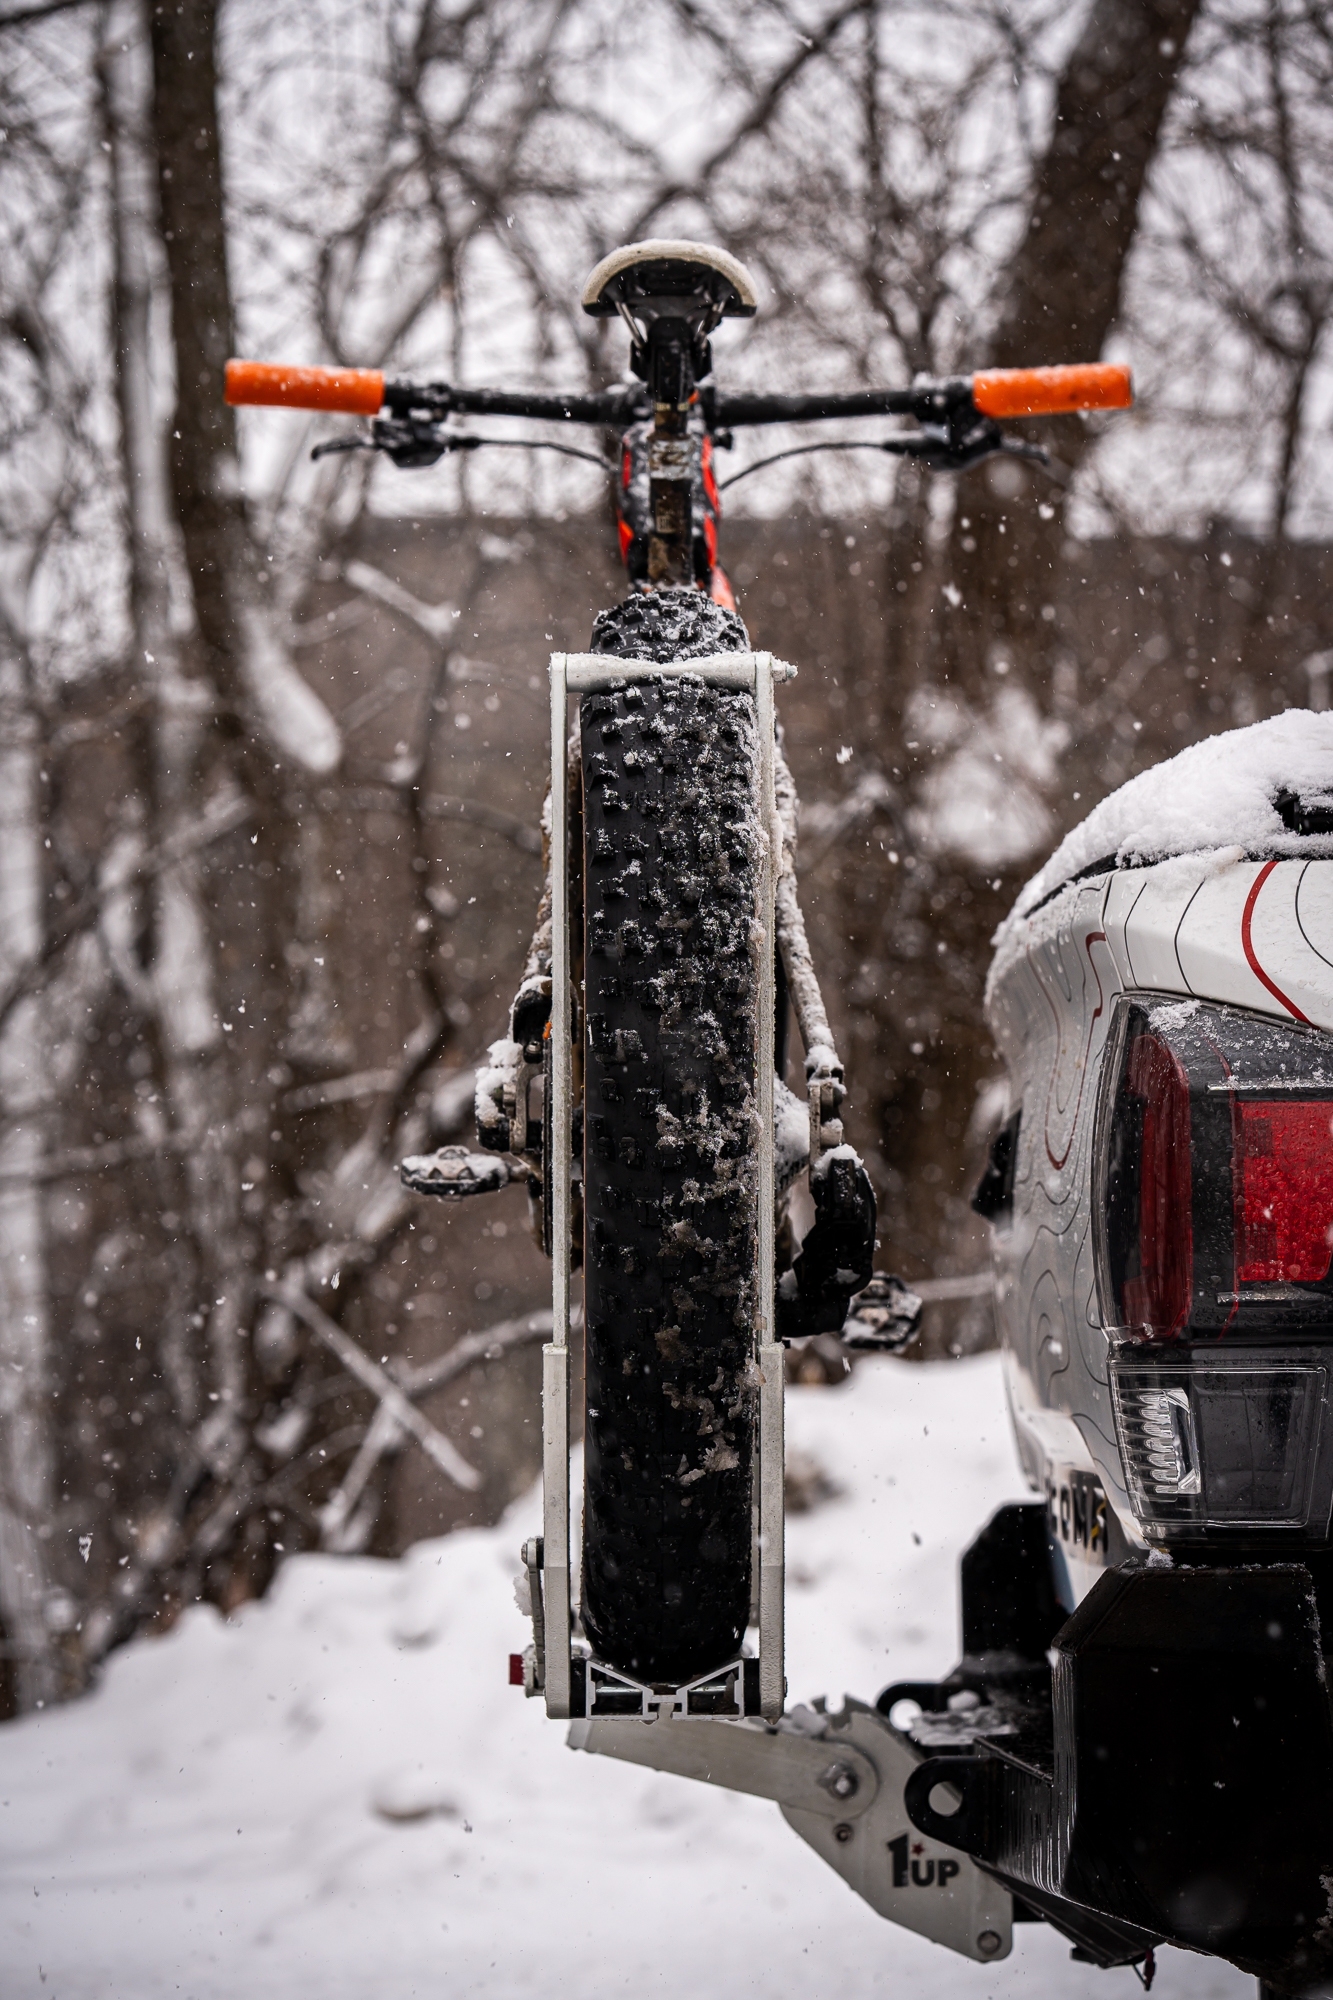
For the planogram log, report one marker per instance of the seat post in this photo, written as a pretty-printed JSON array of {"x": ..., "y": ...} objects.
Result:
[{"x": 671, "y": 347}]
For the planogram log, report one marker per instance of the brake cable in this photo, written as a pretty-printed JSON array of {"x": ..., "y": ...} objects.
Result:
[
  {"x": 411, "y": 444},
  {"x": 919, "y": 444}
]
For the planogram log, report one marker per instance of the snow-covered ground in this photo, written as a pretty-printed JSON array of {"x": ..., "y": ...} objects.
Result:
[{"x": 225, "y": 1818}]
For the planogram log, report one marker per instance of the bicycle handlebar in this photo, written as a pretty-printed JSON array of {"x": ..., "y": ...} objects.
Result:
[
  {"x": 997, "y": 392},
  {"x": 363, "y": 392},
  {"x": 1000, "y": 392}
]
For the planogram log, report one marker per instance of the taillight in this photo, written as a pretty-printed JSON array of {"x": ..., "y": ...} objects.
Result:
[
  {"x": 1213, "y": 1228},
  {"x": 1237, "y": 1440},
  {"x": 1153, "y": 1140},
  {"x": 1283, "y": 1171},
  {"x": 1213, "y": 1204}
]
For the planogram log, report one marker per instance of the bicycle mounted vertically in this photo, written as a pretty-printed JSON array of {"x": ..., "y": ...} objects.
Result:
[{"x": 640, "y": 1091}]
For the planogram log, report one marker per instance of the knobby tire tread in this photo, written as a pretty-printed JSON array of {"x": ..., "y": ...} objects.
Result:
[{"x": 671, "y": 867}]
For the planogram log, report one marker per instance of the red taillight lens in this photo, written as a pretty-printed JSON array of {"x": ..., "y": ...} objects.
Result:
[
  {"x": 1157, "y": 1294},
  {"x": 1282, "y": 1167},
  {"x": 1148, "y": 1224},
  {"x": 1214, "y": 1207}
]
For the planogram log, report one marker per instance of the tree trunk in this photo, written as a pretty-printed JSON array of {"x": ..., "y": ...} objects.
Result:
[
  {"x": 205, "y": 474},
  {"x": 1062, "y": 301},
  {"x": 27, "y": 1672},
  {"x": 194, "y": 927},
  {"x": 242, "y": 646}
]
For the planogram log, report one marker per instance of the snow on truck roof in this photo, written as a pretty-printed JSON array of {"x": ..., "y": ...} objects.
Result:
[{"x": 1262, "y": 791}]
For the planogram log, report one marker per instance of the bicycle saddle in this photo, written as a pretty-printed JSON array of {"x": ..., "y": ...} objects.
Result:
[{"x": 667, "y": 278}]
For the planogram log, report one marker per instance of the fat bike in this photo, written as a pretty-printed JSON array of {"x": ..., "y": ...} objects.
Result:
[{"x": 1136, "y": 1746}]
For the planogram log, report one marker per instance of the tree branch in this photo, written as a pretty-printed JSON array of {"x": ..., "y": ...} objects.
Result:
[{"x": 370, "y": 1375}]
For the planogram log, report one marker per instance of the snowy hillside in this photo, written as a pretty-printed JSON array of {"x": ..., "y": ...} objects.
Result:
[{"x": 337, "y": 1795}]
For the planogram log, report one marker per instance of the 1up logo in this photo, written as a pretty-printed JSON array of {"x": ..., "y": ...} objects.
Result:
[{"x": 911, "y": 1872}]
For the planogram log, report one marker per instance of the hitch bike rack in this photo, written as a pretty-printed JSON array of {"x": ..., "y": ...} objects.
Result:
[{"x": 572, "y": 1682}]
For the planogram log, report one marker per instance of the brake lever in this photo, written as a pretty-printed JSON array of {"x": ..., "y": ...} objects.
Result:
[
  {"x": 327, "y": 449},
  {"x": 408, "y": 441},
  {"x": 948, "y": 448}
]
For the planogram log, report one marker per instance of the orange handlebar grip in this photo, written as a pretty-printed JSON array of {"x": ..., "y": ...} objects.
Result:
[
  {"x": 358, "y": 391},
  {"x": 1050, "y": 392}
]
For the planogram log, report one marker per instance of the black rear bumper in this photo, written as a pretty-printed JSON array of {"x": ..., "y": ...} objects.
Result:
[{"x": 1169, "y": 1777}]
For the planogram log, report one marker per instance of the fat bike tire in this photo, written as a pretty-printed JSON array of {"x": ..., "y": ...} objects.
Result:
[{"x": 671, "y": 851}]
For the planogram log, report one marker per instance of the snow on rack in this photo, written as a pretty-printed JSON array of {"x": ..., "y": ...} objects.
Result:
[
  {"x": 335, "y": 1792},
  {"x": 1221, "y": 794}
]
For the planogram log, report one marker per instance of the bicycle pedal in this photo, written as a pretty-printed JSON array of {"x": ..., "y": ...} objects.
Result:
[
  {"x": 454, "y": 1174},
  {"x": 883, "y": 1317}
]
